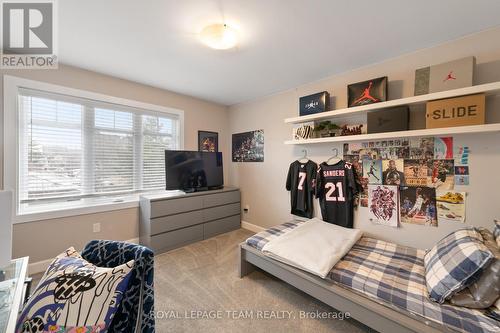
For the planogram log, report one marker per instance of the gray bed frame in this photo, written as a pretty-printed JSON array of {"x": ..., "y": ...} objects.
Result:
[{"x": 376, "y": 315}]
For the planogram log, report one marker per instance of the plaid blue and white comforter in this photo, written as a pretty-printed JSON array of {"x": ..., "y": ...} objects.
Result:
[
  {"x": 392, "y": 274},
  {"x": 262, "y": 238}
]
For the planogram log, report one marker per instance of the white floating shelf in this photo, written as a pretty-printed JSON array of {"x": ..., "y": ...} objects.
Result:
[
  {"x": 488, "y": 89},
  {"x": 402, "y": 134}
]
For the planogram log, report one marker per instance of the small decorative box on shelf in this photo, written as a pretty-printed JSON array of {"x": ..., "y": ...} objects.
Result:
[
  {"x": 388, "y": 120},
  {"x": 315, "y": 103}
]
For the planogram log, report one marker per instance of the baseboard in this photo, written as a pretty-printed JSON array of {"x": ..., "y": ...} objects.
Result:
[
  {"x": 41, "y": 266},
  {"x": 251, "y": 227}
]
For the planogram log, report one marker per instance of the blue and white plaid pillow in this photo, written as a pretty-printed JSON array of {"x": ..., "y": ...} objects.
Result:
[
  {"x": 496, "y": 232},
  {"x": 455, "y": 262}
]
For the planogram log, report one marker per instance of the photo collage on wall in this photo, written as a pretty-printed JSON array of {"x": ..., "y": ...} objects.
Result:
[{"x": 411, "y": 180}]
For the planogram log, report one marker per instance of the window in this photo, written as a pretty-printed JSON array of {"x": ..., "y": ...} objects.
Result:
[{"x": 73, "y": 149}]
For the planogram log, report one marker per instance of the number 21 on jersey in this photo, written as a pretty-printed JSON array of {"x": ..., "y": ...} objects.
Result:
[{"x": 330, "y": 194}]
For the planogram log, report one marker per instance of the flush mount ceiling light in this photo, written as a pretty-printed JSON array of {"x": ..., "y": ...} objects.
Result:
[{"x": 219, "y": 36}]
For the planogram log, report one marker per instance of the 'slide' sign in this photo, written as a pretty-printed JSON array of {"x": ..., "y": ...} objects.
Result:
[{"x": 459, "y": 111}]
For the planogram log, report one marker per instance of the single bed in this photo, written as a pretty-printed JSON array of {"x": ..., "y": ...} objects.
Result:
[{"x": 380, "y": 284}]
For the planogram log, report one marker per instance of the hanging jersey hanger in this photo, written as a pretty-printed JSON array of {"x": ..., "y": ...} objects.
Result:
[
  {"x": 304, "y": 159},
  {"x": 335, "y": 157}
]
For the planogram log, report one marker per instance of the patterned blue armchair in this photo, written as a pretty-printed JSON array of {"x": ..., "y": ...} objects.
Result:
[{"x": 137, "y": 305}]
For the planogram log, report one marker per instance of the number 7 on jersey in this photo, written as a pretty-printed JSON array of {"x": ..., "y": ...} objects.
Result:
[{"x": 302, "y": 179}]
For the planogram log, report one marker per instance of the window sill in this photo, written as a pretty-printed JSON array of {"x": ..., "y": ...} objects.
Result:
[{"x": 83, "y": 207}]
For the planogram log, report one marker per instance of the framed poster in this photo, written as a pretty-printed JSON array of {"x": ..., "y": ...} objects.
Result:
[
  {"x": 248, "y": 146},
  {"x": 208, "y": 141}
]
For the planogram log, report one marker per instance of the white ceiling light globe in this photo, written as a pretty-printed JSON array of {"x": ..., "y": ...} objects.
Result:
[{"x": 219, "y": 36}]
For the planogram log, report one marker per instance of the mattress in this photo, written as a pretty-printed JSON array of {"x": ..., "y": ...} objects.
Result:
[{"x": 393, "y": 275}]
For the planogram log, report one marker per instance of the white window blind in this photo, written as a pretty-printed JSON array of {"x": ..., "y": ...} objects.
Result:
[{"x": 72, "y": 148}]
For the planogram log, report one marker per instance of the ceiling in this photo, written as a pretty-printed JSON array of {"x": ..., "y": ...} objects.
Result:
[{"x": 284, "y": 43}]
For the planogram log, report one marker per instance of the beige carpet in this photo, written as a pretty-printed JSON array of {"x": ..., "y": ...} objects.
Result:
[
  {"x": 203, "y": 277},
  {"x": 197, "y": 290}
]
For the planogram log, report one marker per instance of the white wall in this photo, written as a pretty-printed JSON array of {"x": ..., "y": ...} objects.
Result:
[{"x": 263, "y": 184}]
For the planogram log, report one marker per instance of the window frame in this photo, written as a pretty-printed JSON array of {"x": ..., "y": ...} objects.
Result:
[{"x": 10, "y": 162}]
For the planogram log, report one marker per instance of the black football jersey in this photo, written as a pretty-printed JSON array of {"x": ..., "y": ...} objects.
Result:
[
  {"x": 336, "y": 187},
  {"x": 300, "y": 183}
]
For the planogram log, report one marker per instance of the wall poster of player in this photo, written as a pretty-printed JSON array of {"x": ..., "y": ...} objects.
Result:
[
  {"x": 415, "y": 172},
  {"x": 393, "y": 172},
  {"x": 383, "y": 204},
  {"x": 372, "y": 170},
  {"x": 418, "y": 206},
  {"x": 208, "y": 141},
  {"x": 248, "y": 146},
  {"x": 441, "y": 174}
]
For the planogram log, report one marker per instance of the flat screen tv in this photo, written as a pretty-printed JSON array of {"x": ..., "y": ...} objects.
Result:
[{"x": 193, "y": 170}]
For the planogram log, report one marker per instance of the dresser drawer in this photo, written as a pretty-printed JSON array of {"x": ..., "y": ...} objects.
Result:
[
  {"x": 221, "y": 198},
  {"x": 177, "y": 238},
  {"x": 177, "y": 221},
  {"x": 219, "y": 212},
  {"x": 221, "y": 226},
  {"x": 170, "y": 207}
]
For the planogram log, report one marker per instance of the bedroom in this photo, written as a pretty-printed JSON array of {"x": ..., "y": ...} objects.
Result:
[{"x": 140, "y": 79}]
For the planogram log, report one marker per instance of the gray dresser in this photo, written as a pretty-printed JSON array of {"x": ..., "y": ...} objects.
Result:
[{"x": 173, "y": 219}]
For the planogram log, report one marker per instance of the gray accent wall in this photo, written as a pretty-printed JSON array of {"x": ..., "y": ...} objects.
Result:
[{"x": 262, "y": 185}]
